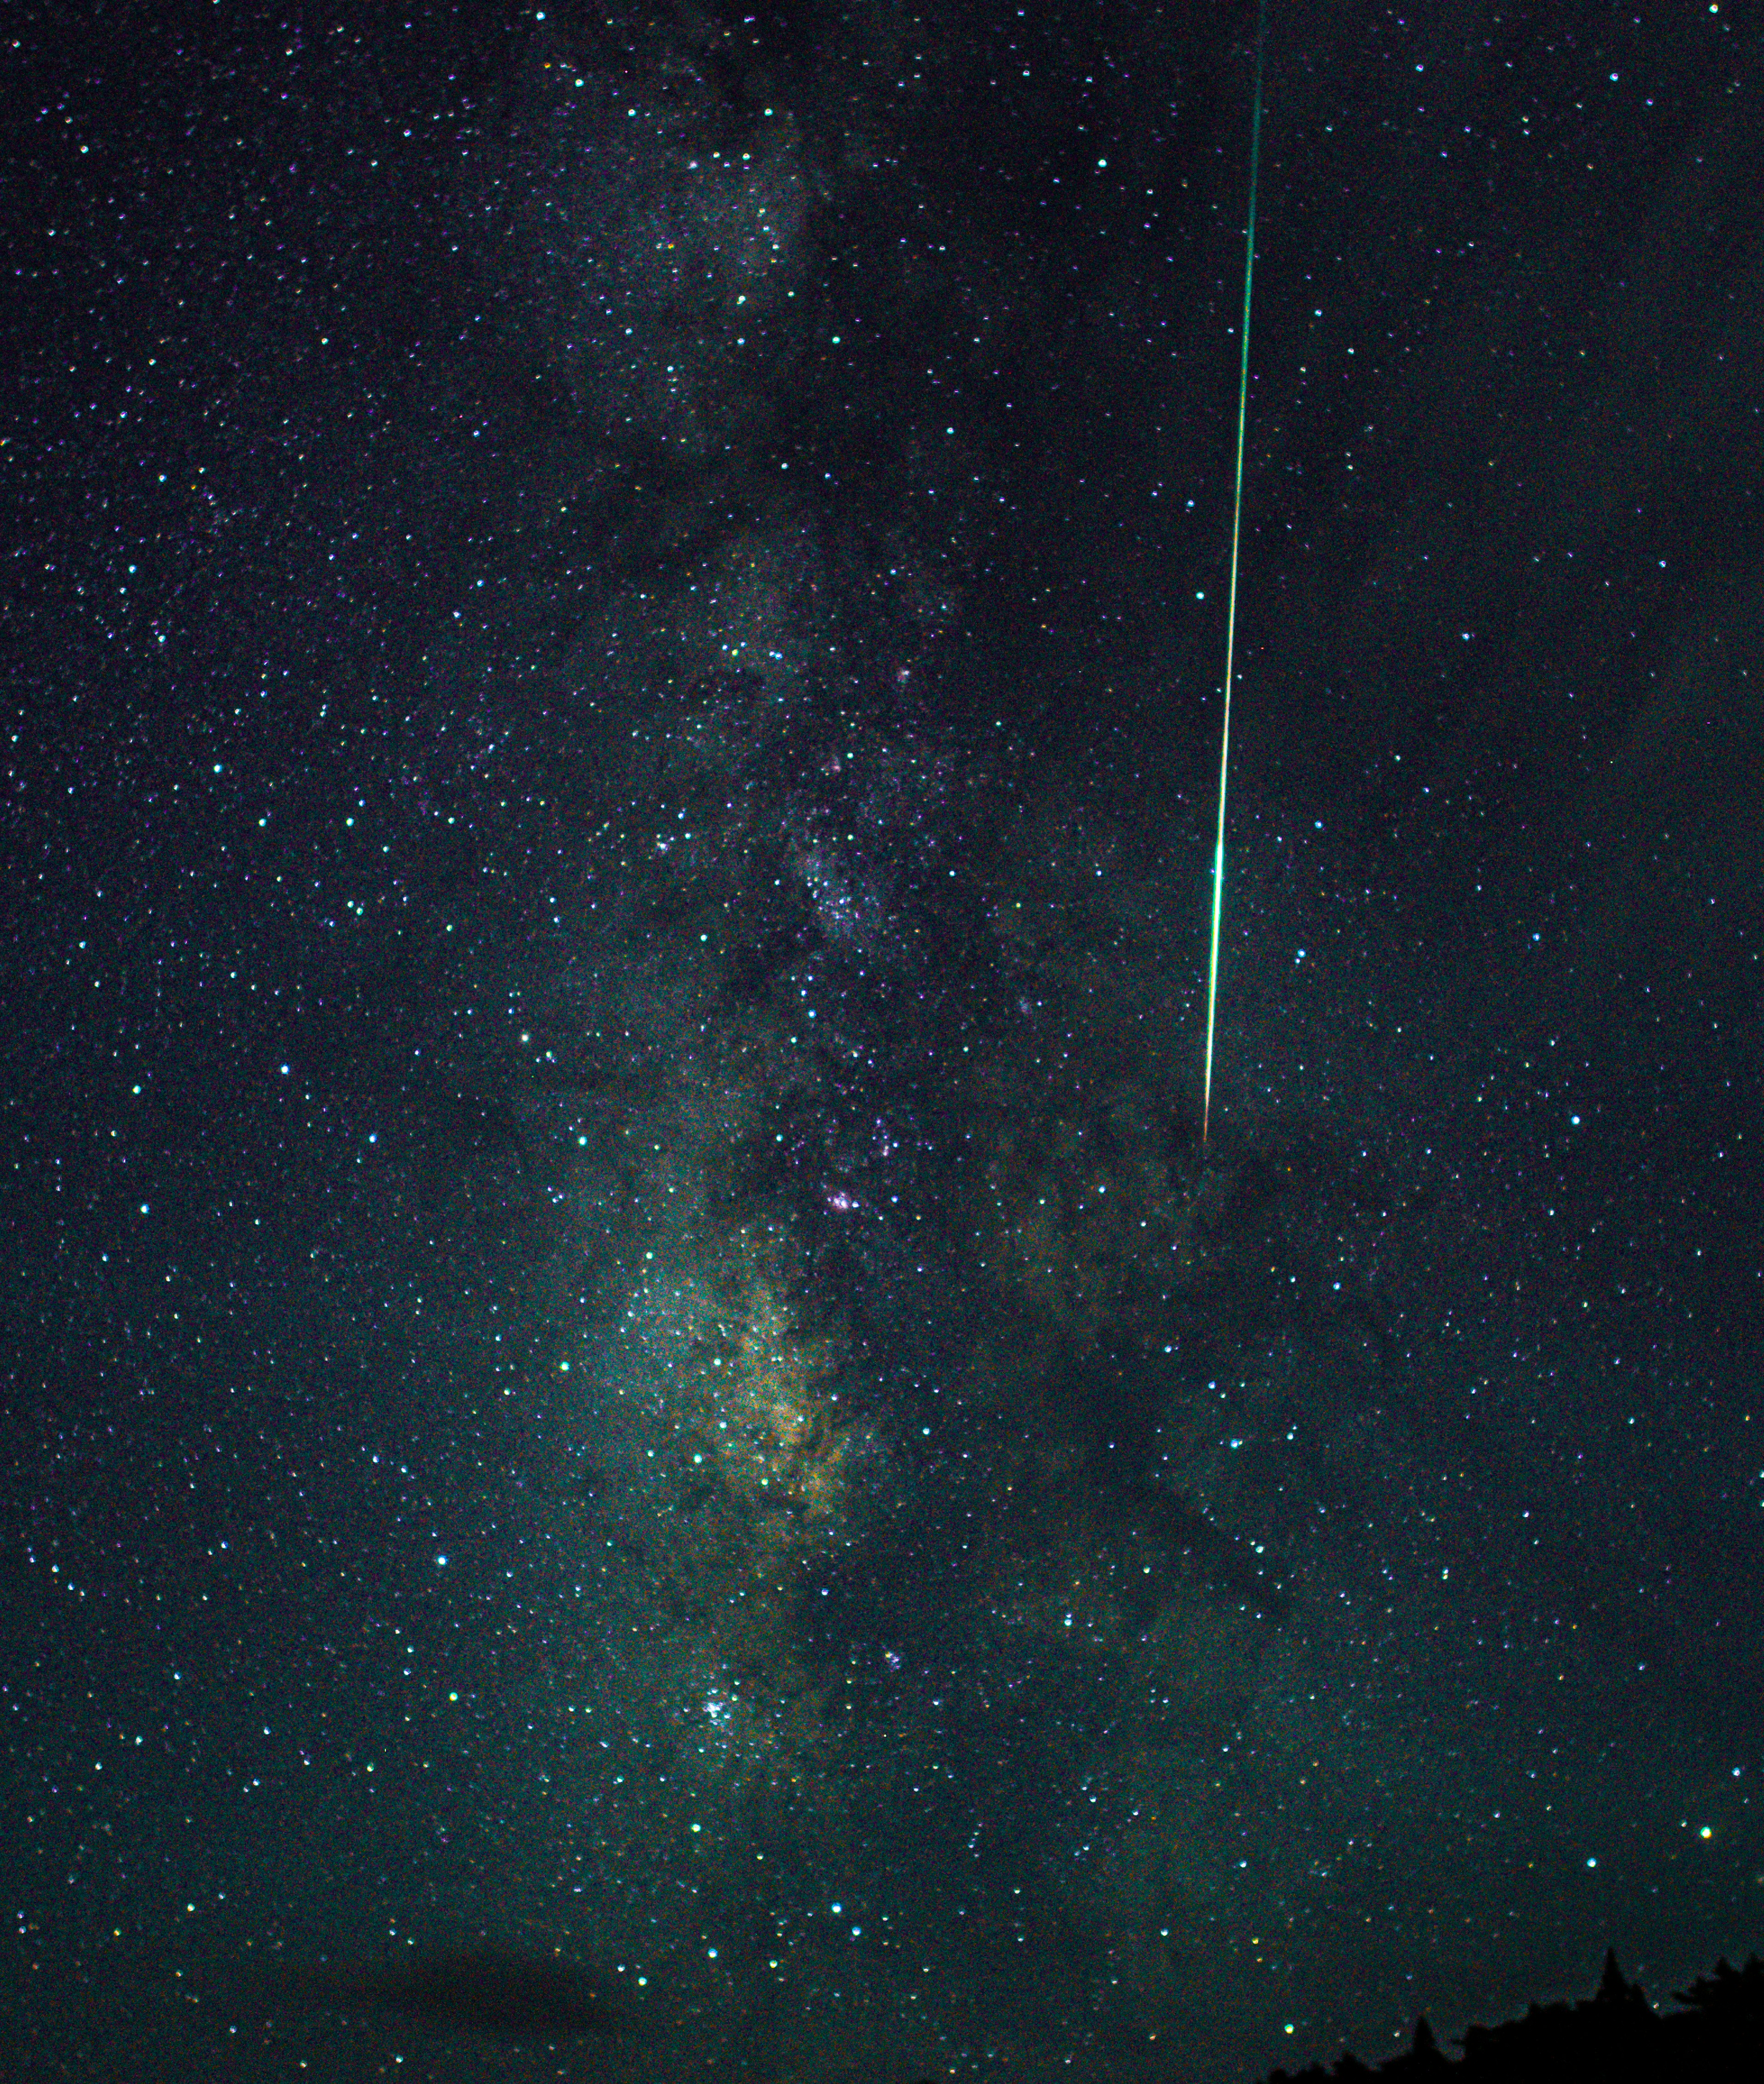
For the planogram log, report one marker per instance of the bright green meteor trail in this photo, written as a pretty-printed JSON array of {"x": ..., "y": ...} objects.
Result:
[{"x": 1231, "y": 611}]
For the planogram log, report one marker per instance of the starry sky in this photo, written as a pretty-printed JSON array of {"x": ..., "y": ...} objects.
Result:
[{"x": 620, "y": 1338}]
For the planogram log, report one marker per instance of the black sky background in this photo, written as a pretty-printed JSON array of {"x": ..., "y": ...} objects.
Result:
[{"x": 348, "y": 532}]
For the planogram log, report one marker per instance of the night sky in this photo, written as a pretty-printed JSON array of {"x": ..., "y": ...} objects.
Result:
[{"x": 619, "y": 1341}]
